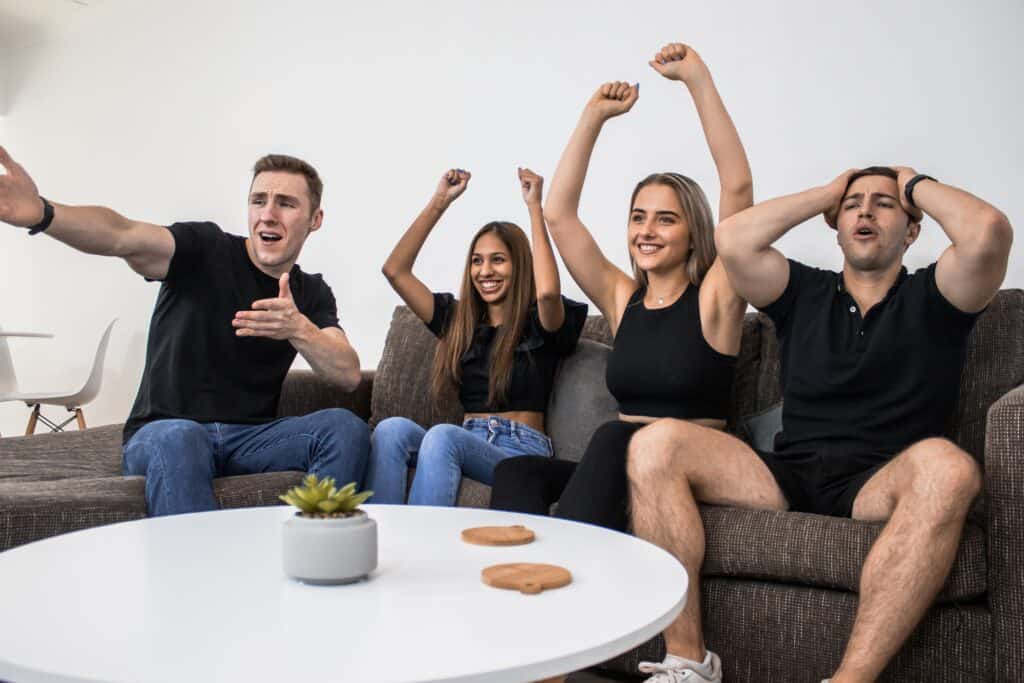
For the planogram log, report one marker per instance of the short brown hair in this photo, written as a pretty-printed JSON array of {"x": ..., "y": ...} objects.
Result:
[{"x": 283, "y": 162}]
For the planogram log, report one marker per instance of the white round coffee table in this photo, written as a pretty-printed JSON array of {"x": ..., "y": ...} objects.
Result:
[{"x": 202, "y": 597}]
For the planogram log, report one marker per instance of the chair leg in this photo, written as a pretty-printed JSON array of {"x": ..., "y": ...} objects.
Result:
[
  {"x": 81, "y": 418},
  {"x": 32, "y": 419}
]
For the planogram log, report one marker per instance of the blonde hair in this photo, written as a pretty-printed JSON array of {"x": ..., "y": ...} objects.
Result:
[{"x": 697, "y": 213}]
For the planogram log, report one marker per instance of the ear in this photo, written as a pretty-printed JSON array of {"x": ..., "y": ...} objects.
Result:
[
  {"x": 913, "y": 231},
  {"x": 318, "y": 219}
]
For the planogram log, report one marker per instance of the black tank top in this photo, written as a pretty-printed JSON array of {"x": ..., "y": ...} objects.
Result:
[{"x": 661, "y": 365}]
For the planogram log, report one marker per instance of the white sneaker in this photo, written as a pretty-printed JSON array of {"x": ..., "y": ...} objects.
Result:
[{"x": 679, "y": 670}]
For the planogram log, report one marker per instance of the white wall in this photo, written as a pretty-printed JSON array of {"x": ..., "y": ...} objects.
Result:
[{"x": 159, "y": 109}]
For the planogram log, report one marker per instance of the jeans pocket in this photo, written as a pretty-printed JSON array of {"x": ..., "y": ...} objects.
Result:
[{"x": 533, "y": 443}]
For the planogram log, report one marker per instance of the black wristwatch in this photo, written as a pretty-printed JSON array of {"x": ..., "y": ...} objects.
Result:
[
  {"x": 908, "y": 190},
  {"x": 47, "y": 218}
]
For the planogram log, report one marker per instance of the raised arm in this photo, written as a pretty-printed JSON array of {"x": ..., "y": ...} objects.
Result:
[
  {"x": 603, "y": 283},
  {"x": 398, "y": 268},
  {"x": 679, "y": 62},
  {"x": 971, "y": 270},
  {"x": 545, "y": 270},
  {"x": 147, "y": 248},
  {"x": 759, "y": 272}
]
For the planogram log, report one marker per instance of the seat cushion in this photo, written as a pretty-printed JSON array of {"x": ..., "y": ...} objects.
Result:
[
  {"x": 819, "y": 551},
  {"x": 580, "y": 401}
]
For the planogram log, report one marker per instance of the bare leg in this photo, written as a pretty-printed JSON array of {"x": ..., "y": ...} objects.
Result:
[
  {"x": 672, "y": 465},
  {"x": 925, "y": 492}
]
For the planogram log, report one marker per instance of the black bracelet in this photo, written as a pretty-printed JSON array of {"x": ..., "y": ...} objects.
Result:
[
  {"x": 908, "y": 190},
  {"x": 47, "y": 218}
]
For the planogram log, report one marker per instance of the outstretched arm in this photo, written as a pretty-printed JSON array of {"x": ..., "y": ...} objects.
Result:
[
  {"x": 545, "y": 270},
  {"x": 147, "y": 248},
  {"x": 602, "y": 282},
  {"x": 971, "y": 270},
  {"x": 758, "y": 271},
  {"x": 398, "y": 268}
]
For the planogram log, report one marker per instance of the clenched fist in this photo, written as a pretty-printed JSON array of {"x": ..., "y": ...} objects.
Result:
[
  {"x": 613, "y": 98},
  {"x": 679, "y": 62},
  {"x": 533, "y": 186}
]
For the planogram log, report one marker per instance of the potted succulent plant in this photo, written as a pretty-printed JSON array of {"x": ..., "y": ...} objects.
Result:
[{"x": 328, "y": 540}]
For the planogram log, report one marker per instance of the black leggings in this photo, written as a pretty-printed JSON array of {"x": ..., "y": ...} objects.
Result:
[{"x": 595, "y": 491}]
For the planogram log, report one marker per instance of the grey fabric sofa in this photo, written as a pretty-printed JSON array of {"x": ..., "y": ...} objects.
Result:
[{"x": 780, "y": 589}]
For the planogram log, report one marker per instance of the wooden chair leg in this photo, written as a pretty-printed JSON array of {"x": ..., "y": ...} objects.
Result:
[
  {"x": 32, "y": 419},
  {"x": 81, "y": 418}
]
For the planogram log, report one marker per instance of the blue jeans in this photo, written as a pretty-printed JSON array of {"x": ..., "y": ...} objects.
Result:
[
  {"x": 180, "y": 458},
  {"x": 442, "y": 455}
]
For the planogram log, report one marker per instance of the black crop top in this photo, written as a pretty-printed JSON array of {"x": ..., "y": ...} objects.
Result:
[
  {"x": 533, "y": 367},
  {"x": 661, "y": 365}
]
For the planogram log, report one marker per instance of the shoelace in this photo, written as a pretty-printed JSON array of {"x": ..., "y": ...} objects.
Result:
[{"x": 664, "y": 673}]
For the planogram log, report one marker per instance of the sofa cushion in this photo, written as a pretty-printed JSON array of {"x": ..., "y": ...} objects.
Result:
[
  {"x": 819, "y": 551},
  {"x": 580, "y": 401},
  {"x": 90, "y": 453}
]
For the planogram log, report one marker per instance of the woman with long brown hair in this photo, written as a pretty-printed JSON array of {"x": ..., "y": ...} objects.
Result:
[{"x": 499, "y": 345}]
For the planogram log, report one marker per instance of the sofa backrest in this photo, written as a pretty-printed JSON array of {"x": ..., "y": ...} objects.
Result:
[
  {"x": 401, "y": 386},
  {"x": 994, "y": 365}
]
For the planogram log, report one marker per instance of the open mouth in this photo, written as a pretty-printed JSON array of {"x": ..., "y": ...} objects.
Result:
[
  {"x": 269, "y": 237},
  {"x": 864, "y": 232},
  {"x": 648, "y": 247},
  {"x": 489, "y": 286}
]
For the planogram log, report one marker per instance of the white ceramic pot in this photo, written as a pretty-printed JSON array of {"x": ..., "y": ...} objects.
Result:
[{"x": 329, "y": 551}]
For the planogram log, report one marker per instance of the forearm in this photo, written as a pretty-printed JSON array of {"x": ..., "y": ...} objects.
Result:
[
  {"x": 545, "y": 268},
  {"x": 972, "y": 224},
  {"x": 724, "y": 142},
  {"x": 403, "y": 256},
  {"x": 329, "y": 355},
  {"x": 567, "y": 186},
  {"x": 91, "y": 229},
  {"x": 755, "y": 229}
]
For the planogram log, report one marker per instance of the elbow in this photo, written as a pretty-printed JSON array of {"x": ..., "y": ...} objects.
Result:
[
  {"x": 350, "y": 379},
  {"x": 556, "y": 215},
  {"x": 726, "y": 237},
  {"x": 998, "y": 230},
  {"x": 390, "y": 271},
  {"x": 548, "y": 296},
  {"x": 993, "y": 237},
  {"x": 740, "y": 188}
]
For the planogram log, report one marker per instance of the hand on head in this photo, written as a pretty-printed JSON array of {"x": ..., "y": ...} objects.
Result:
[
  {"x": 532, "y": 185},
  {"x": 679, "y": 62},
  {"x": 20, "y": 204},
  {"x": 836, "y": 191},
  {"x": 904, "y": 174},
  {"x": 276, "y": 318},
  {"x": 613, "y": 98},
  {"x": 453, "y": 183}
]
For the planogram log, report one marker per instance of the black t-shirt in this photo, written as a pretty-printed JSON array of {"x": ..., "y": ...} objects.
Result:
[
  {"x": 874, "y": 385},
  {"x": 533, "y": 365},
  {"x": 196, "y": 367}
]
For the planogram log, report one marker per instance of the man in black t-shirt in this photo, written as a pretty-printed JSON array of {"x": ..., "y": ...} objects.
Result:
[
  {"x": 870, "y": 369},
  {"x": 231, "y": 315}
]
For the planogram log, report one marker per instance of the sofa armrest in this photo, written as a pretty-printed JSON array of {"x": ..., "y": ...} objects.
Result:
[
  {"x": 1004, "y": 493},
  {"x": 304, "y": 392}
]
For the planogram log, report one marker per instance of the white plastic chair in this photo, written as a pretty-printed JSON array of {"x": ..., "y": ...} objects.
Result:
[{"x": 72, "y": 400}]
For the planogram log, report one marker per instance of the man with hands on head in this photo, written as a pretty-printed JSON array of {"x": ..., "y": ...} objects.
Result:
[
  {"x": 870, "y": 369},
  {"x": 231, "y": 314}
]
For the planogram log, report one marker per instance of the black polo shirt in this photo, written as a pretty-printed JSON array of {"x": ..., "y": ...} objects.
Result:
[
  {"x": 875, "y": 383},
  {"x": 196, "y": 367},
  {"x": 534, "y": 362}
]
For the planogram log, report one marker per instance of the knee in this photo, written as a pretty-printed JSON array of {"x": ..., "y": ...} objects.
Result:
[
  {"x": 439, "y": 443},
  {"x": 391, "y": 430},
  {"x": 942, "y": 471},
  {"x": 170, "y": 445},
  {"x": 654, "y": 452},
  {"x": 521, "y": 472},
  {"x": 342, "y": 423}
]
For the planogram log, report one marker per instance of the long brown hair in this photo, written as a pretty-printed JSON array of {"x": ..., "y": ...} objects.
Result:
[
  {"x": 697, "y": 213},
  {"x": 471, "y": 310}
]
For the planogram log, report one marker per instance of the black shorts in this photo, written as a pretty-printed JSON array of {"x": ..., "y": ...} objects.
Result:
[{"x": 822, "y": 481}]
